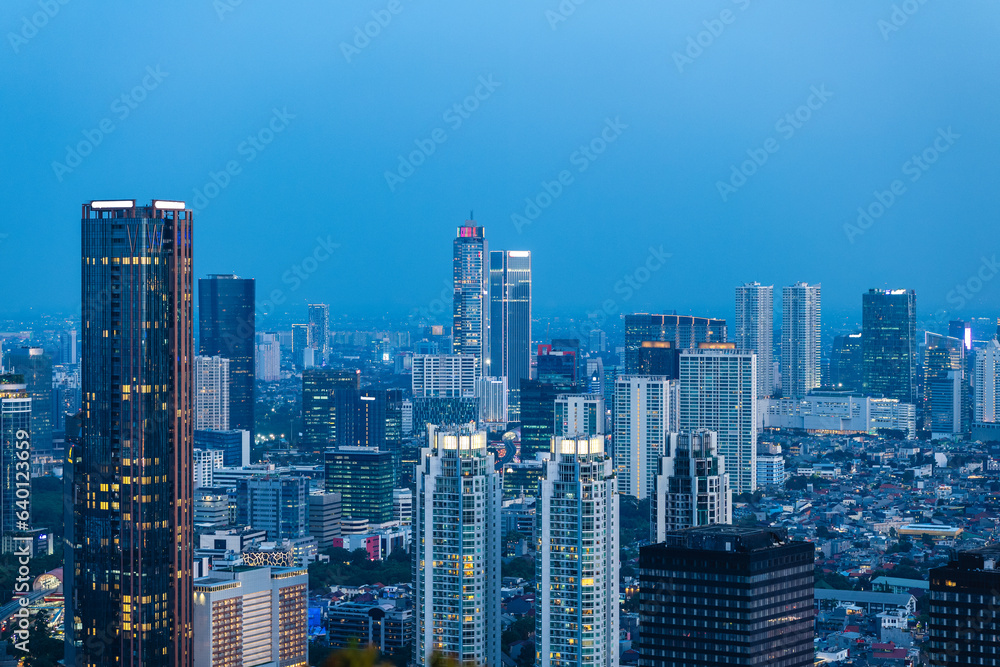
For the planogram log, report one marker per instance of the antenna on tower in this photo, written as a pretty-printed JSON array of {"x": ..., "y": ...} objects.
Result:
[{"x": 471, "y": 217}]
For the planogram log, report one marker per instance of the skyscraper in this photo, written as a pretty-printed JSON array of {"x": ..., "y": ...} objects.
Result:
[
  {"x": 319, "y": 329},
  {"x": 964, "y": 596},
  {"x": 274, "y": 503},
  {"x": 846, "y": 362},
  {"x": 328, "y": 397},
  {"x": 444, "y": 375},
  {"x": 576, "y": 617},
  {"x": 889, "y": 344},
  {"x": 800, "y": 342},
  {"x": 211, "y": 393},
  {"x": 36, "y": 368},
  {"x": 267, "y": 362},
  {"x": 682, "y": 331},
  {"x": 226, "y": 328},
  {"x": 643, "y": 411},
  {"x": 578, "y": 415},
  {"x": 692, "y": 486},
  {"x": 718, "y": 392},
  {"x": 301, "y": 343},
  {"x": 130, "y": 545},
  {"x": 944, "y": 399},
  {"x": 363, "y": 476},
  {"x": 755, "y": 330},
  {"x": 456, "y": 542},
  {"x": 510, "y": 322},
  {"x": 470, "y": 323},
  {"x": 15, "y": 438},
  {"x": 725, "y": 595},
  {"x": 987, "y": 383}
]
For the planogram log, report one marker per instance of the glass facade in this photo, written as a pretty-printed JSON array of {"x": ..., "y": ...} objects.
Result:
[
  {"x": 129, "y": 544},
  {"x": 683, "y": 331},
  {"x": 889, "y": 343},
  {"x": 226, "y": 328},
  {"x": 471, "y": 316},
  {"x": 36, "y": 367},
  {"x": 327, "y": 394},
  {"x": 363, "y": 476},
  {"x": 510, "y": 323}
]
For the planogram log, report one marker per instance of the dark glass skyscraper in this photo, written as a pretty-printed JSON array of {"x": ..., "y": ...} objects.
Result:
[
  {"x": 889, "y": 344},
  {"x": 682, "y": 331},
  {"x": 725, "y": 595},
  {"x": 36, "y": 367},
  {"x": 963, "y": 624},
  {"x": 226, "y": 328},
  {"x": 129, "y": 556},
  {"x": 363, "y": 476},
  {"x": 846, "y": 362},
  {"x": 328, "y": 396}
]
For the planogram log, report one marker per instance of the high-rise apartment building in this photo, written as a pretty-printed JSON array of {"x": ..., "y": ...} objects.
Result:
[
  {"x": 267, "y": 363},
  {"x": 889, "y": 344},
  {"x": 800, "y": 341},
  {"x": 329, "y": 398},
  {"x": 718, "y": 393},
  {"x": 36, "y": 367},
  {"x": 644, "y": 411},
  {"x": 692, "y": 485},
  {"x": 576, "y": 615},
  {"x": 964, "y": 596},
  {"x": 129, "y": 549},
  {"x": 251, "y": 616},
  {"x": 726, "y": 595},
  {"x": 846, "y": 363},
  {"x": 204, "y": 463},
  {"x": 300, "y": 345},
  {"x": 15, "y": 454},
  {"x": 211, "y": 393},
  {"x": 456, "y": 542},
  {"x": 987, "y": 383},
  {"x": 470, "y": 268},
  {"x": 755, "y": 331},
  {"x": 681, "y": 331},
  {"x": 492, "y": 395},
  {"x": 226, "y": 328},
  {"x": 363, "y": 476},
  {"x": 578, "y": 415},
  {"x": 510, "y": 322}
]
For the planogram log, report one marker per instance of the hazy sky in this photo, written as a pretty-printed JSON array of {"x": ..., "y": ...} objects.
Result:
[{"x": 643, "y": 108}]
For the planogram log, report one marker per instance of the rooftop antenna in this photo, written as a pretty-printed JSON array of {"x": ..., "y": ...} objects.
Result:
[{"x": 471, "y": 217}]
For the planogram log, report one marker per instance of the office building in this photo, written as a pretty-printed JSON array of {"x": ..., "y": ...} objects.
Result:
[
  {"x": 770, "y": 470},
  {"x": 987, "y": 383},
  {"x": 964, "y": 596},
  {"x": 131, "y": 481},
  {"x": 681, "y": 331},
  {"x": 204, "y": 464},
  {"x": 945, "y": 399},
  {"x": 325, "y": 515},
  {"x": 492, "y": 395},
  {"x": 363, "y": 476},
  {"x": 15, "y": 448},
  {"x": 234, "y": 445},
  {"x": 445, "y": 375},
  {"x": 889, "y": 344},
  {"x": 470, "y": 318},
  {"x": 329, "y": 402},
  {"x": 276, "y": 504},
  {"x": 755, "y": 331},
  {"x": 386, "y": 626},
  {"x": 319, "y": 331},
  {"x": 800, "y": 342},
  {"x": 841, "y": 412},
  {"x": 510, "y": 323},
  {"x": 726, "y": 595},
  {"x": 692, "y": 485},
  {"x": 644, "y": 415},
  {"x": 267, "y": 363},
  {"x": 301, "y": 343},
  {"x": 402, "y": 506},
  {"x": 211, "y": 508},
  {"x": 846, "y": 363},
  {"x": 576, "y": 616},
  {"x": 559, "y": 367},
  {"x": 598, "y": 341},
  {"x": 211, "y": 393},
  {"x": 443, "y": 411},
  {"x": 578, "y": 415},
  {"x": 456, "y": 540},
  {"x": 67, "y": 347},
  {"x": 718, "y": 393},
  {"x": 226, "y": 328},
  {"x": 251, "y": 616},
  {"x": 36, "y": 367},
  {"x": 658, "y": 358}
]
